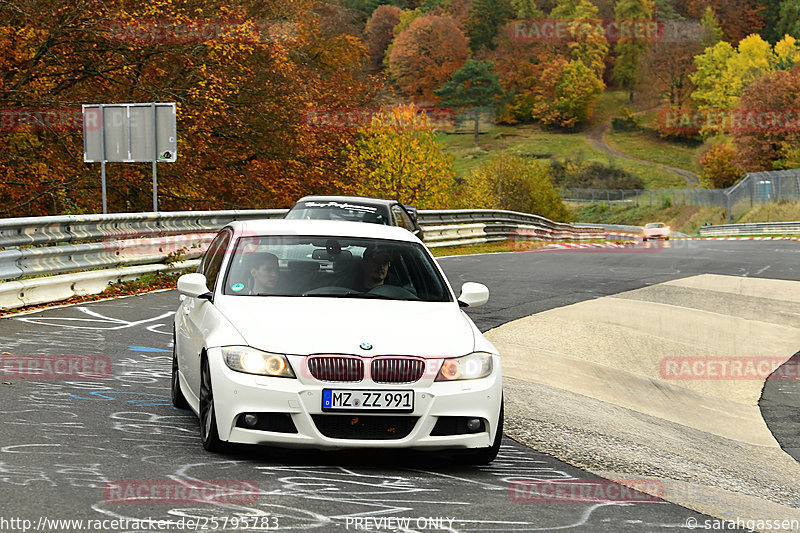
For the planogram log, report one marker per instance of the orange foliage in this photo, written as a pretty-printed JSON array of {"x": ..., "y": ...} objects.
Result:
[
  {"x": 379, "y": 32},
  {"x": 426, "y": 55},
  {"x": 737, "y": 18},
  {"x": 773, "y": 101},
  {"x": 244, "y": 141}
]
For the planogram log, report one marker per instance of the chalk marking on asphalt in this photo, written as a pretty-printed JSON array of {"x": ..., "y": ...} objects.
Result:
[{"x": 100, "y": 318}]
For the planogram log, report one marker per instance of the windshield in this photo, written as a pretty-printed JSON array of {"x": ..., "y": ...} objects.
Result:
[
  {"x": 335, "y": 210},
  {"x": 333, "y": 267},
  {"x": 655, "y": 225}
]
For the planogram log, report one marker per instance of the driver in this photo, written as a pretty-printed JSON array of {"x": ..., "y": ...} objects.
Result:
[{"x": 264, "y": 273}]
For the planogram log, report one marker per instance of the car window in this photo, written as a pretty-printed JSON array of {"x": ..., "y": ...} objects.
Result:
[
  {"x": 334, "y": 267},
  {"x": 335, "y": 210},
  {"x": 401, "y": 218},
  {"x": 212, "y": 260}
]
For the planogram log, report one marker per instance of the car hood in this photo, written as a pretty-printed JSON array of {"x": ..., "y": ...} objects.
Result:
[{"x": 305, "y": 325}]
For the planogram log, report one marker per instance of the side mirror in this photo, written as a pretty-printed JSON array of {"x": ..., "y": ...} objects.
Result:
[
  {"x": 473, "y": 294},
  {"x": 194, "y": 285}
]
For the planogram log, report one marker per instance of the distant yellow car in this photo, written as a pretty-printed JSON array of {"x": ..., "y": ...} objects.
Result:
[{"x": 656, "y": 230}]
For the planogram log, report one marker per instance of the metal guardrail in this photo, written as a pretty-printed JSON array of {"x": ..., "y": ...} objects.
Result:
[
  {"x": 72, "y": 228},
  {"x": 612, "y": 228},
  {"x": 81, "y": 254},
  {"x": 764, "y": 228}
]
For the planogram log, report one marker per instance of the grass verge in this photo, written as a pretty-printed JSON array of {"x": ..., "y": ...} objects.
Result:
[
  {"x": 529, "y": 141},
  {"x": 647, "y": 146}
]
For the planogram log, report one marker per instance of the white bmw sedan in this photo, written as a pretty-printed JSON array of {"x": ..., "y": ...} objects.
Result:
[{"x": 324, "y": 334}]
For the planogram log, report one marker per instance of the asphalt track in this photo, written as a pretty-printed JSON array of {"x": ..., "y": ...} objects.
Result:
[{"x": 63, "y": 441}]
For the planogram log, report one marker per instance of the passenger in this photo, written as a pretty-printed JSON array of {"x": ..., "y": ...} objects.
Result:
[
  {"x": 264, "y": 273},
  {"x": 373, "y": 268}
]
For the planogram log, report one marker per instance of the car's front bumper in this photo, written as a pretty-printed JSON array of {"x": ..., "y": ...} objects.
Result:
[
  {"x": 654, "y": 236},
  {"x": 236, "y": 393}
]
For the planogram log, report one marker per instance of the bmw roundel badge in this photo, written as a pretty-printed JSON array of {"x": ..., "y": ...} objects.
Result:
[{"x": 365, "y": 346}]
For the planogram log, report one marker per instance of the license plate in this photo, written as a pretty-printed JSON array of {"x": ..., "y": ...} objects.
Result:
[{"x": 367, "y": 400}]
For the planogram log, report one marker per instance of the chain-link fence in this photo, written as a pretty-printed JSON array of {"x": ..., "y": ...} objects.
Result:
[{"x": 757, "y": 187}]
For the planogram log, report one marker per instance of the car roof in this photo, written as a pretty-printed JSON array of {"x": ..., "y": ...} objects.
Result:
[
  {"x": 352, "y": 199},
  {"x": 332, "y": 228}
]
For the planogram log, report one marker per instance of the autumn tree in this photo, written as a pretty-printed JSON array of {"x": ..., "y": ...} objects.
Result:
[
  {"x": 425, "y": 55},
  {"x": 666, "y": 68},
  {"x": 589, "y": 44},
  {"x": 718, "y": 86},
  {"x": 472, "y": 86},
  {"x": 397, "y": 156},
  {"x": 719, "y": 167},
  {"x": 771, "y": 102},
  {"x": 738, "y": 18},
  {"x": 629, "y": 49},
  {"x": 243, "y": 88},
  {"x": 526, "y": 9},
  {"x": 787, "y": 53},
  {"x": 485, "y": 20},
  {"x": 379, "y": 32},
  {"x": 725, "y": 72},
  {"x": 516, "y": 184},
  {"x": 567, "y": 94}
]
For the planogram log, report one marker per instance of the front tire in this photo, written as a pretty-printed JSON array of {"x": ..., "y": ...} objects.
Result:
[
  {"x": 208, "y": 419},
  {"x": 176, "y": 394},
  {"x": 484, "y": 456}
]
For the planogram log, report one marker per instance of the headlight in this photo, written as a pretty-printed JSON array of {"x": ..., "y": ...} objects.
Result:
[
  {"x": 252, "y": 361},
  {"x": 473, "y": 366}
]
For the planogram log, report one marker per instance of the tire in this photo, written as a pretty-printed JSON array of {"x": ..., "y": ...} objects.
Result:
[
  {"x": 176, "y": 395},
  {"x": 208, "y": 420},
  {"x": 484, "y": 456}
]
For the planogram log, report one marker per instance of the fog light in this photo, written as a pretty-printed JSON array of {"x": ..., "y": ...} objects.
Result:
[
  {"x": 474, "y": 425},
  {"x": 251, "y": 420}
]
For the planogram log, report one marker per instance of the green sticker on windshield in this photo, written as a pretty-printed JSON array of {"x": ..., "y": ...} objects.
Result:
[{"x": 238, "y": 287}]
